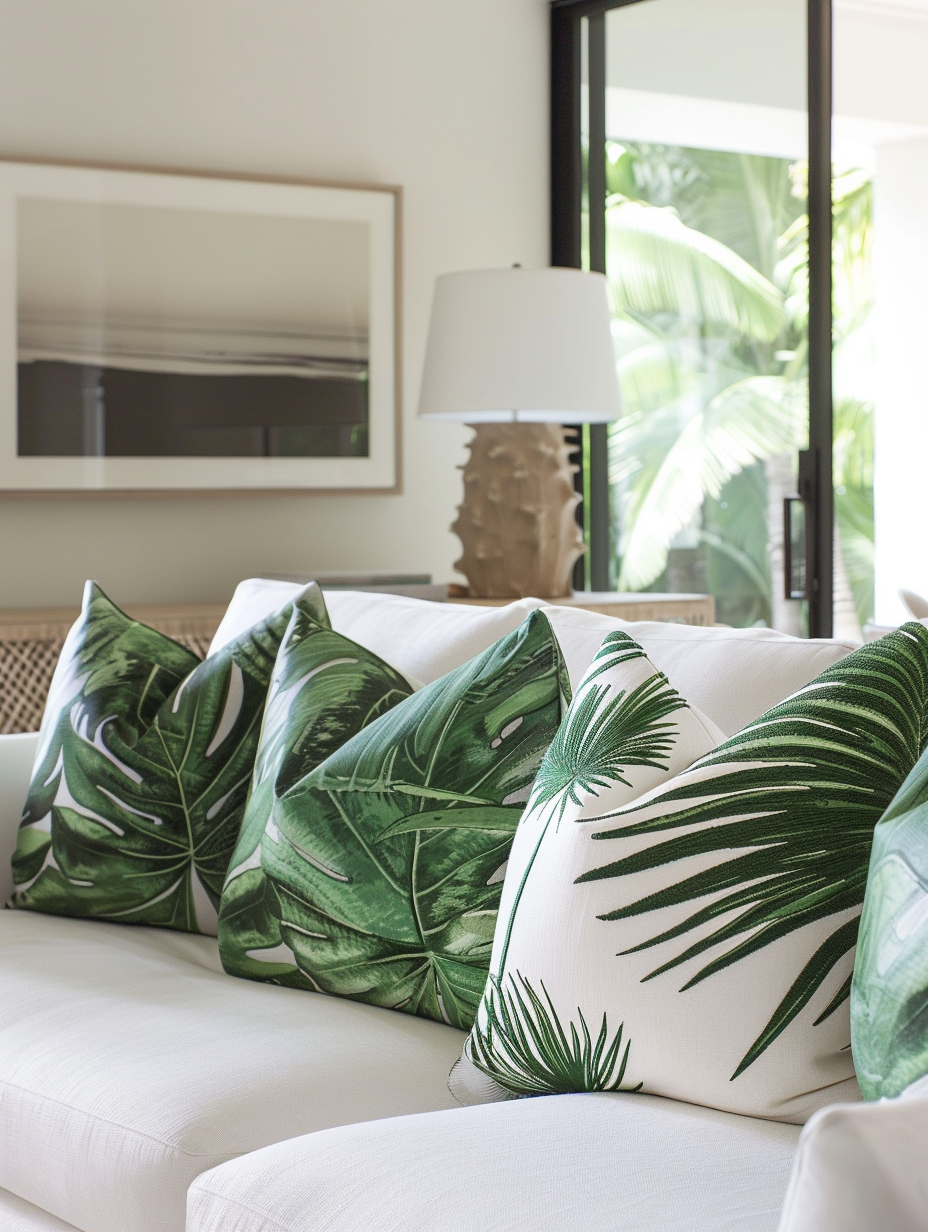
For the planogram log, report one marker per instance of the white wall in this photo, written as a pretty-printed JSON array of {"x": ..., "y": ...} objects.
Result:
[{"x": 448, "y": 98}]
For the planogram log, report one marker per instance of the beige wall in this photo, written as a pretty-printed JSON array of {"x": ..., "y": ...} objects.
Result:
[{"x": 445, "y": 97}]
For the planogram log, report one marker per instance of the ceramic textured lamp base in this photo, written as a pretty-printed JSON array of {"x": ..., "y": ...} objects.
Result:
[{"x": 517, "y": 522}]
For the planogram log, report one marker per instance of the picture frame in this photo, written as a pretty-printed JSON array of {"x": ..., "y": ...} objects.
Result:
[{"x": 166, "y": 332}]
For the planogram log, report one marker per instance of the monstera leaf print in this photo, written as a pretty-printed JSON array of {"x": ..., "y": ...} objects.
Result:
[
  {"x": 325, "y": 690},
  {"x": 142, "y": 833},
  {"x": 388, "y": 859},
  {"x": 785, "y": 812},
  {"x": 889, "y": 992},
  {"x": 118, "y": 672}
]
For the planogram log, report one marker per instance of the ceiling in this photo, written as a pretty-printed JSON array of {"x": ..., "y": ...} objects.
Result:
[{"x": 917, "y": 9}]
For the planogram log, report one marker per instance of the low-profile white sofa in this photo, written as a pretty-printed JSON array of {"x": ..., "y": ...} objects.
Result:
[{"x": 143, "y": 1090}]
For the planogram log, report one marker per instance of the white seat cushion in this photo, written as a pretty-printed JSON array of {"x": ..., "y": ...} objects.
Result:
[
  {"x": 19, "y": 1216},
  {"x": 129, "y": 1063},
  {"x": 562, "y": 1163}
]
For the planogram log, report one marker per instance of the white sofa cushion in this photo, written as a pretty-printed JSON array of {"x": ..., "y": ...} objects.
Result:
[
  {"x": 129, "y": 1063},
  {"x": 732, "y": 675},
  {"x": 19, "y": 1216},
  {"x": 861, "y": 1168},
  {"x": 563, "y": 1163},
  {"x": 17, "y": 754}
]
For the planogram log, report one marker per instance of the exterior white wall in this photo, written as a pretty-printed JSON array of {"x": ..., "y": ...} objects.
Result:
[
  {"x": 901, "y": 422},
  {"x": 448, "y": 98}
]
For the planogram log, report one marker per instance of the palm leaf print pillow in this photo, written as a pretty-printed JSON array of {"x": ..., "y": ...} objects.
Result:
[
  {"x": 325, "y": 689},
  {"x": 697, "y": 942},
  {"x": 889, "y": 992},
  {"x": 387, "y": 860},
  {"x": 626, "y": 731},
  {"x": 137, "y": 818}
]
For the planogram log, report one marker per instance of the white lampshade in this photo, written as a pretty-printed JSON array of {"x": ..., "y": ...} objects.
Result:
[{"x": 515, "y": 344}]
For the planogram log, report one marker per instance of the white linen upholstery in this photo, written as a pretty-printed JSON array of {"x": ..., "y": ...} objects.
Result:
[
  {"x": 862, "y": 1168},
  {"x": 129, "y": 1062},
  {"x": 17, "y": 753},
  {"x": 563, "y": 1163},
  {"x": 19, "y": 1216},
  {"x": 732, "y": 675},
  {"x": 253, "y": 600}
]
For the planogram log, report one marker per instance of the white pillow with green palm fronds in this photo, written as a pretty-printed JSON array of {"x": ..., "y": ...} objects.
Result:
[
  {"x": 626, "y": 731},
  {"x": 697, "y": 942}
]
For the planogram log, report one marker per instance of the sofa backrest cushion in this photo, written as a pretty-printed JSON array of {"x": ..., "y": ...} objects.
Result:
[{"x": 731, "y": 675}]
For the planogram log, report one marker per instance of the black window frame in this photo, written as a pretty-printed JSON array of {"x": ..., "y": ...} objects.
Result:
[{"x": 815, "y": 463}]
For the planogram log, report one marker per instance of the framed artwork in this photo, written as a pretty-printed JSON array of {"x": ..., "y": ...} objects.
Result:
[{"x": 169, "y": 332}]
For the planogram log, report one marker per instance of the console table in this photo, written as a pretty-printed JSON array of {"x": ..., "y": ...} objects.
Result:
[{"x": 628, "y": 605}]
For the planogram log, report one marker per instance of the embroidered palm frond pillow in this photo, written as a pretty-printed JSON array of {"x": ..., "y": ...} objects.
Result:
[
  {"x": 697, "y": 942},
  {"x": 384, "y": 864},
  {"x": 144, "y": 762}
]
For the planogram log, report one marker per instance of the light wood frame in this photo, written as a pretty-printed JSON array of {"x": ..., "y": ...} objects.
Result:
[{"x": 379, "y": 204}]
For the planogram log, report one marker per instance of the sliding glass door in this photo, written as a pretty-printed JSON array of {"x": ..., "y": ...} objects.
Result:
[{"x": 682, "y": 171}]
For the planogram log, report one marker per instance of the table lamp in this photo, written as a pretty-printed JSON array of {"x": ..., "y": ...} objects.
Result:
[{"x": 517, "y": 354}]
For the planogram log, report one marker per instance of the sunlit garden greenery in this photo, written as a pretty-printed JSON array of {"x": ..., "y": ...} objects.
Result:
[{"x": 706, "y": 255}]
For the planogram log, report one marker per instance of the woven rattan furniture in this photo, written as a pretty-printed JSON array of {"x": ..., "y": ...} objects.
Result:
[{"x": 31, "y": 641}]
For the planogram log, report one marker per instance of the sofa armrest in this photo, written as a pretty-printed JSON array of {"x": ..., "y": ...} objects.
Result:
[
  {"x": 17, "y": 754},
  {"x": 862, "y": 1166}
]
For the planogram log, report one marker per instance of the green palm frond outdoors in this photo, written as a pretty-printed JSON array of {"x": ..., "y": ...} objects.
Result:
[
  {"x": 803, "y": 861},
  {"x": 671, "y": 470},
  {"x": 597, "y": 742},
  {"x": 524, "y": 1046},
  {"x": 698, "y": 322},
  {"x": 658, "y": 264}
]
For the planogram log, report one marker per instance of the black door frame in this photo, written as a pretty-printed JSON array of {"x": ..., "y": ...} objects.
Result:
[{"x": 815, "y": 464}]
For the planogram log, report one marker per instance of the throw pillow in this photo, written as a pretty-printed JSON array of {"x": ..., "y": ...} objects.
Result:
[
  {"x": 889, "y": 993},
  {"x": 325, "y": 689},
  {"x": 137, "y": 819},
  {"x": 626, "y": 731},
  {"x": 697, "y": 942},
  {"x": 388, "y": 859}
]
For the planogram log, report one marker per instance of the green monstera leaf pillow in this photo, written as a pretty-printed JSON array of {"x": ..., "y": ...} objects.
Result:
[
  {"x": 697, "y": 941},
  {"x": 388, "y": 859},
  {"x": 889, "y": 992},
  {"x": 136, "y": 818},
  {"x": 325, "y": 689}
]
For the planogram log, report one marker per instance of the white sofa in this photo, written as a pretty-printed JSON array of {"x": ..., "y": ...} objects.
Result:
[{"x": 143, "y": 1090}]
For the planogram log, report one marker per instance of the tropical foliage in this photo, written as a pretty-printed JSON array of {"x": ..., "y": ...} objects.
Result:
[
  {"x": 788, "y": 806},
  {"x": 141, "y": 831},
  {"x": 114, "y": 673},
  {"x": 889, "y": 992},
  {"x": 524, "y": 1046},
  {"x": 388, "y": 859},
  {"x": 707, "y": 254},
  {"x": 325, "y": 690}
]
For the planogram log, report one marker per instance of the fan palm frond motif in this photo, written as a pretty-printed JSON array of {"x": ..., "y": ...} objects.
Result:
[
  {"x": 797, "y": 796},
  {"x": 525, "y": 1047},
  {"x": 598, "y": 741}
]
